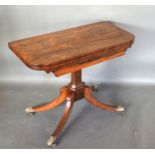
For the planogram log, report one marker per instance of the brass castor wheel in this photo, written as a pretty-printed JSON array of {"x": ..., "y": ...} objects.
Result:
[
  {"x": 30, "y": 111},
  {"x": 94, "y": 88},
  {"x": 120, "y": 109},
  {"x": 51, "y": 141}
]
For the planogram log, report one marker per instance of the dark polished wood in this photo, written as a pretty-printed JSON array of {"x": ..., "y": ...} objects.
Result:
[
  {"x": 53, "y": 104},
  {"x": 63, "y": 120},
  {"x": 69, "y": 51},
  {"x": 74, "y": 91},
  {"x": 89, "y": 97},
  {"x": 76, "y": 84},
  {"x": 73, "y": 49}
]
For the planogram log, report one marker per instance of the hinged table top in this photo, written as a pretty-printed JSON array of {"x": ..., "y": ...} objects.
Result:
[{"x": 73, "y": 49}]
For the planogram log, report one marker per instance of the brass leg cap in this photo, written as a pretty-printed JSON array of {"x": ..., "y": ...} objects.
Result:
[
  {"x": 29, "y": 110},
  {"x": 51, "y": 141},
  {"x": 120, "y": 109},
  {"x": 94, "y": 88}
]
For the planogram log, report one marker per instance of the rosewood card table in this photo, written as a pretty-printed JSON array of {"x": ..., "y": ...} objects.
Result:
[{"x": 69, "y": 51}]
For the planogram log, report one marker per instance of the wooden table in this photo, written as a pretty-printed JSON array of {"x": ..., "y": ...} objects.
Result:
[{"x": 69, "y": 51}]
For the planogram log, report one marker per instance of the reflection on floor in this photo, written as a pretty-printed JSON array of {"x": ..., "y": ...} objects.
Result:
[{"x": 88, "y": 126}]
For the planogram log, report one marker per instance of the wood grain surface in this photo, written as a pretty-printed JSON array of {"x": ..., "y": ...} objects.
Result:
[{"x": 73, "y": 49}]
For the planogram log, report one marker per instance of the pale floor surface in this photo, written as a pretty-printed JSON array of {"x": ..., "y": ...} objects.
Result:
[{"x": 88, "y": 126}]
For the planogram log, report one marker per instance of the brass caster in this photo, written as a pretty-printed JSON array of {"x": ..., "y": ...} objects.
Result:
[
  {"x": 94, "y": 88},
  {"x": 30, "y": 111},
  {"x": 51, "y": 141},
  {"x": 120, "y": 109}
]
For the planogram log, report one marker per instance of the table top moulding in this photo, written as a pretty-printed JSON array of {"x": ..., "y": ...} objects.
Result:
[{"x": 72, "y": 49}]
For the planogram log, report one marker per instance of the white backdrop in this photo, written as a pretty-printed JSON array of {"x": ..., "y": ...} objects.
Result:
[{"x": 17, "y": 22}]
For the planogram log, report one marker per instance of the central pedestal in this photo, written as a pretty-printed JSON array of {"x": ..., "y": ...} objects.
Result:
[
  {"x": 74, "y": 91},
  {"x": 76, "y": 85}
]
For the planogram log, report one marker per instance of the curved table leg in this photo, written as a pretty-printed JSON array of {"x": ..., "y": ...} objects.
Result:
[
  {"x": 56, "y": 102},
  {"x": 64, "y": 118},
  {"x": 89, "y": 97}
]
